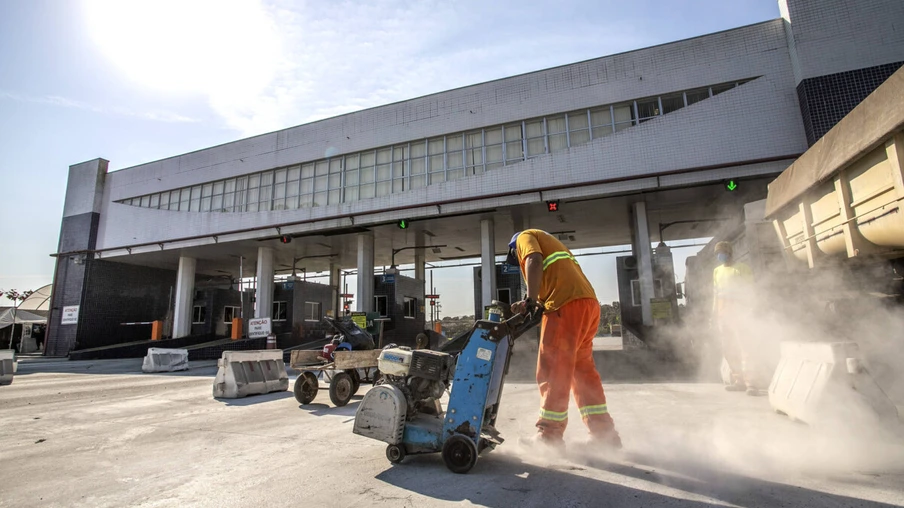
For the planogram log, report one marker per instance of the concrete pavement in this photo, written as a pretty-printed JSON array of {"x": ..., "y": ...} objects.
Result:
[{"x": 102, "y": 434}]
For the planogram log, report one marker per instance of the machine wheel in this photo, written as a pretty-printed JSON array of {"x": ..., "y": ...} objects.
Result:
[
  {"x": 356, "y": 380},
  {"x": 306, "y": 387},
  {"x": 459, "y": 453},
  {"x": 341, "y": 388},
  {"x": 395, "y": 453},
  {"x": 421, "y": 341}
]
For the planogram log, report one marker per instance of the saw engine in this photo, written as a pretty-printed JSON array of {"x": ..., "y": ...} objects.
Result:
[{"x": 421, "y": 375}]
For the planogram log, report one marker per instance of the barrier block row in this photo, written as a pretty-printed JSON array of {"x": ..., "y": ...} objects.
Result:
[
  {"x": 816, "y": 381},
  {"x": 7, "y": 366},
  {"x": 161, "y": 359},
  {"x": 243, "y": 373}
]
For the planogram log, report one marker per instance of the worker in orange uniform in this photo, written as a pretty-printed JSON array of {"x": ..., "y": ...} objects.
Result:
[
  {"x": 570, "y": 322},
  {"x": 731, "y": 303}
]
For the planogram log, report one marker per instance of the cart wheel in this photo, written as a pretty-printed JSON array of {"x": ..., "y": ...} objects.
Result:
[
  {"x": 395, "y": 453},
  {"x": 459, "y": 453},
  {"x": 306, "y": 387},
  {"x": 341, "y": 389},
  {"x": 421, "y": 341},
  {"x": 356, "y": 380}
]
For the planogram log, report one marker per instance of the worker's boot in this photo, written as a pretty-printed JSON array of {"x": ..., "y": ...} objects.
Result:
[
  {"x": 753, "y": 391},
  {"x": 607, "y": 442},
  {"x": 544, "y": 443}
]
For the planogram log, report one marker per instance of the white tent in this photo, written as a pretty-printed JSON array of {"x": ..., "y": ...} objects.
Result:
[
  {"x": 39, "y": 300},
  {"x": 8, "y": 314}
]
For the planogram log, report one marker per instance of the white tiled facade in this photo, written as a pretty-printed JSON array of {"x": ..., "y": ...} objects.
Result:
[
  {"x": 831, "y": 36},
  {"x": 758, "y": 120}
]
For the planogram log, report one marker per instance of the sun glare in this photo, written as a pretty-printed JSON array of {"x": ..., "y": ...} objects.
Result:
[{"x": 219, "y": 47}]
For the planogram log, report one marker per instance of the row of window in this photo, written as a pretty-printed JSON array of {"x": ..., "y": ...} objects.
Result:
[
  {"x": 312, "y": 312},
  {"x": 398, "y": 168}
]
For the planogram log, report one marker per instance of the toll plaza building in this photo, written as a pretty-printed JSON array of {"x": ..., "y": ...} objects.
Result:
[{"x": 632, "y": 148}]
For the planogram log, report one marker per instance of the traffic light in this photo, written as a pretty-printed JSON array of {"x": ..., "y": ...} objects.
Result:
[
  {"x": 347, "y": 306},
  {"x": 552, "y": 206},
  {"x": 285, "y": 238},
  {"x": 731, "y": 185},
  {"x": 402, "y": 224}
]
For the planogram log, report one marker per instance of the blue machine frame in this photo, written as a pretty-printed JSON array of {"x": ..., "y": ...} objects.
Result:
[{"x": 467, "y": 427}]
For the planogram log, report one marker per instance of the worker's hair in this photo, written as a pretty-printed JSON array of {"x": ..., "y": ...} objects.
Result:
[{"x": 723, "y": 247}]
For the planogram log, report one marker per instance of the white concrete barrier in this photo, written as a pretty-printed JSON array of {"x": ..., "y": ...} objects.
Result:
[
  {"x": 7, "y": 366},
  {"x": 161, "y": 359},
  {"x": 818, "y": 381},
  {"x": 243, "y": 373}
]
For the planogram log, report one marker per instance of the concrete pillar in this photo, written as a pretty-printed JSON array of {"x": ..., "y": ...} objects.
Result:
[
  {"x": 644, "y": 254},
  {"x": 487, "y": 262},
  {"x": 264, "y": 295},
  {"x": 364, "y": 299},
  {"x": 420, "y": 258},
  {"x": 185, "y": 297},
  {"x": 336, "y": 285}
]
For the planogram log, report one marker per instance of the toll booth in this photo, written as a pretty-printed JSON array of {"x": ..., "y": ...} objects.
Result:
[
  {"x": 400, "y": 300},
  {"x": 213, "y": 310},
  {"x": 296, "y": 316},
  {"x": 509, "y": 287},
  {"x": 664, "y": 302}
]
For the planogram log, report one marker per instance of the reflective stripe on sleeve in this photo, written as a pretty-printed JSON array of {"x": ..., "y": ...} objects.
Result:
[{"x": 557, "y": 256}]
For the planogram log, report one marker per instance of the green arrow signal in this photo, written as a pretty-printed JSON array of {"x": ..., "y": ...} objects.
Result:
[
  {"x": 403, "y": 224},
  {"x": 731, "y": 185}
]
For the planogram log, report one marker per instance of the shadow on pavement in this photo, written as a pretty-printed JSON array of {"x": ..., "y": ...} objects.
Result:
[
  {"x": 256, "y": 399},
  {"x": 504, "y": 481},
  {"x": 700, "y": 478},
  {"x": 130, "y": 366},
  {"x": 327, "y": 410}
]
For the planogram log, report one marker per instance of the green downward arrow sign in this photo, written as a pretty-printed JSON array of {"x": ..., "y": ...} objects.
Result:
[{"x": 731, "y": 185}]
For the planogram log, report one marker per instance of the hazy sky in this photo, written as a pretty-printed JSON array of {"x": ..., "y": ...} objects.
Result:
[{"x": 136, "y": 81}]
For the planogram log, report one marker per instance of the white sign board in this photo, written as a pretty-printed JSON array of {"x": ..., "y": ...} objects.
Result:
[
  {"x": 70, "y": 315},
  {"x": 258, "y": 328}
]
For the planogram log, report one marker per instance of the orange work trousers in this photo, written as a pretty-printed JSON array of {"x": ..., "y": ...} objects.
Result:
[{"x": 565, "y": 365}]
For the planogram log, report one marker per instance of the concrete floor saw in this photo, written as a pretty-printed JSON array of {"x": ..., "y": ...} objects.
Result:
[{"x": 404, "y": 409}]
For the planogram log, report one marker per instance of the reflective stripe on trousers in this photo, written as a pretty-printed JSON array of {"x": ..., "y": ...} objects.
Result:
[
  {"x": 554, "y": 415},
  {"x": 557, "y": 256},
  {"x": 600, "y": 409}
]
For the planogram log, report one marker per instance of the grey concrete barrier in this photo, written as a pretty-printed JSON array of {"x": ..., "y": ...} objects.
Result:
[
  {"x": 161, "y": 359},
  {"x": 243, "y": 373},
  {"x": 820, "y": 381},
  {"x": 7, "y": 366}
]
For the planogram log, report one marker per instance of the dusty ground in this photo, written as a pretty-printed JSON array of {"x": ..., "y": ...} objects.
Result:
[{"x": 103, "y": 434}]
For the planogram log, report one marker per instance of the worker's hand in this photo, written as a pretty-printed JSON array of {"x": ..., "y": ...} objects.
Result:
[
  {"x": 519, "y": 307},
  {"x": 523, "y": 306}
]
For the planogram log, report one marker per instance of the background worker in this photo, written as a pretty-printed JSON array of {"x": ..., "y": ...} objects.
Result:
[
  {"x": 731, "y": 304},
  {"x": 570, "y": 322}
]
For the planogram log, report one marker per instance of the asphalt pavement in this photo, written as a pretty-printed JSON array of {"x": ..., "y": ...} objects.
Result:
[{"x": 101, "y": 433}]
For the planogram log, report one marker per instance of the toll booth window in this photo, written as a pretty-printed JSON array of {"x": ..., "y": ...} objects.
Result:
[
  {"x": 199, "y": 315},
  {"x": 231, "y": 313},
  {"x": 279, "y": 311},
  {"x": 410, "y": 307},
  {"x": 381, "y": 305},
  {"x": 504, "y": 295},
  {"x": 312, "y": 311}
]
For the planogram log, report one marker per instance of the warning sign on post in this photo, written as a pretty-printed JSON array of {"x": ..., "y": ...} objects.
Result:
[
  {"x": 259, "y": 327},
  {"x": 70, "y": 315},
  {"x": 360, "y": 319}
]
